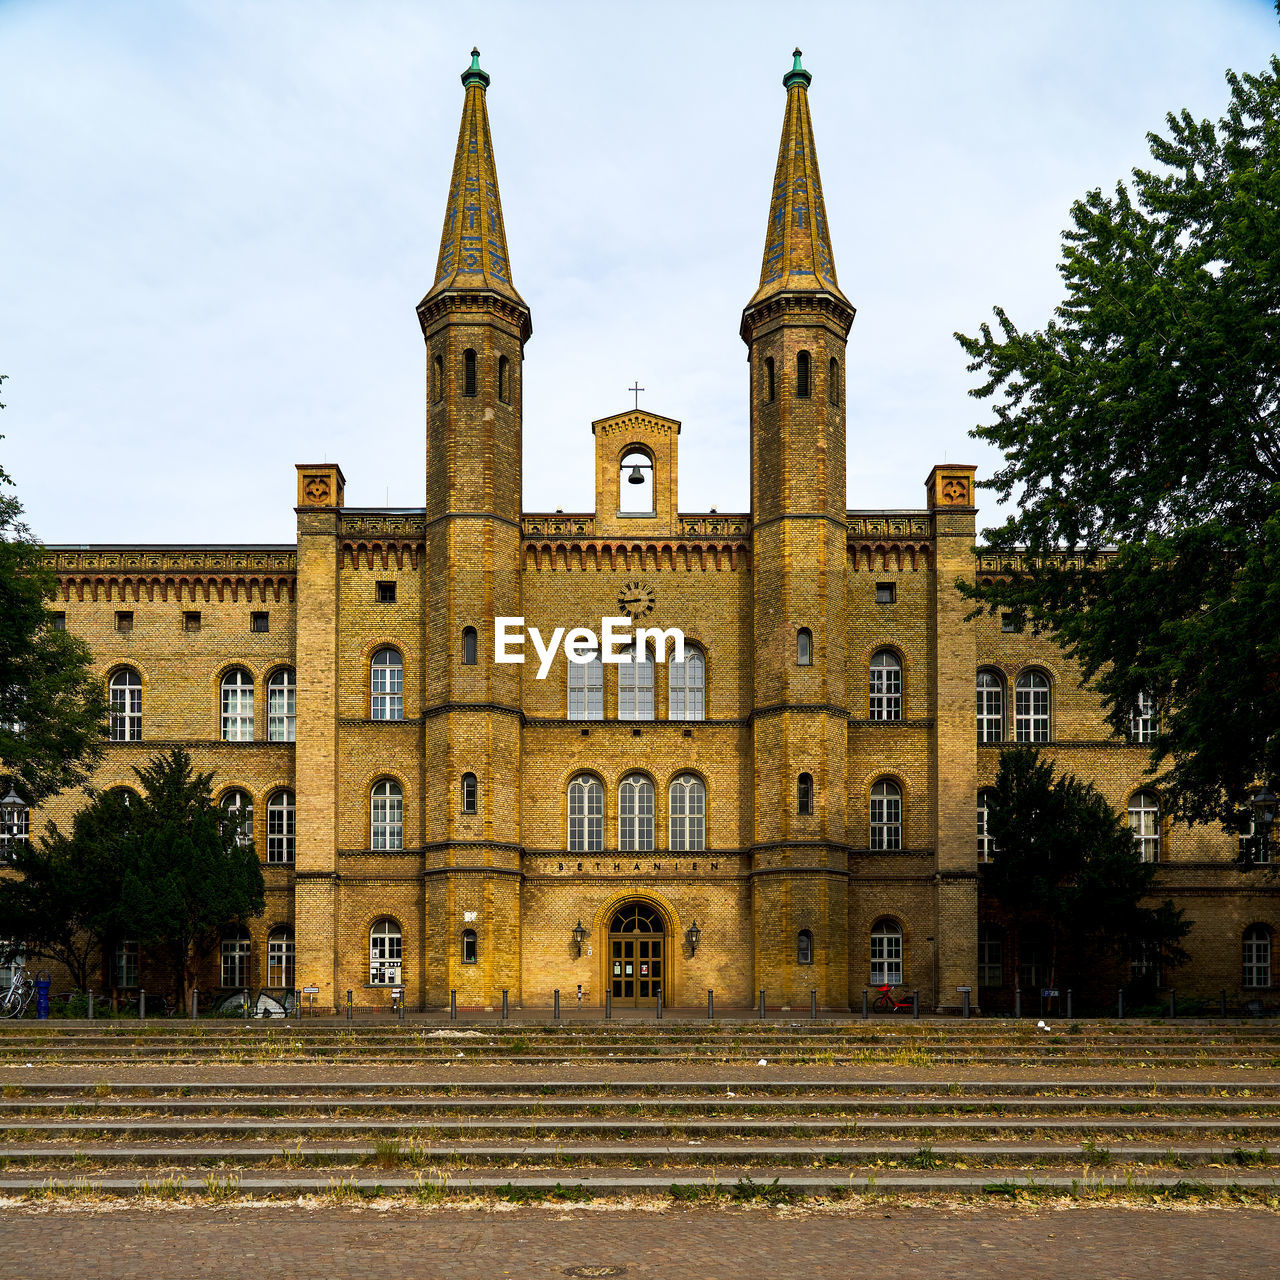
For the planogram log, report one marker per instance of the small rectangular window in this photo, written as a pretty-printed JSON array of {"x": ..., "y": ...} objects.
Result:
[
  {"x": 259, "y": 622},
  {"x": 886, "y": 592},
  {"x": 386, "y": 593},
  {"x": 1007, "y": 623},
  {"x": 58, "y": 621},
  {"x": 124, "y": 619},
  {"x": 191, "y": 620}
]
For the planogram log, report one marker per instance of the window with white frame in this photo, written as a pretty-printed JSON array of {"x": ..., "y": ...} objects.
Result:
[
  {"x": 1257, "y": 956},
  {"x": 990, "y": 707},
  {"x": 635, "y": 814},
  {"x": 11, "y": 957},
  {"x": 237, "y": 706},
  {"x": 15, "y": 830},
  {"x": 990, "y": 957},
  {"x": 1251, "y": 850},
  {"x": 586, "y": 689},
  {"x": 235, "y": 959},
  {"x": 986, "y": 846},
  {"x": 281, "y": 829},
  {"x": 1144, "y": 822},
  {"x": 470, "y": 793},
  {"x": 125, "y": 688},
  {"x": 635, "y": 686},
  {"x": 237, "y": 808},
  {"x": 386, "y": 686},
  {"x": 886, "y": 686},
  {"x": 586, "y": 815},
  {"x": 387, "y": 816},
  {"x": 1031, "y": 707},
  {"x": 686, "y": 687},
  {"x": 280, "y": 952},
  {"x": 282, "y": 706},
  {"x": 886, "y": 954},
  {"x": 688, "y": 813},
  {"x": 124, "y": 967},
  {"x": 886, "y": 815},
  {"x": 804, "y": 947},
  {"x": 1145, "y": 964},
  {"x": 1144, "y": 720},
  {"x": 385, "y": 950}
]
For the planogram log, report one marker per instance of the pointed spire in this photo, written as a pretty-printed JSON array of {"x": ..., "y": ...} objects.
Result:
[
  {"x": 473, "y": 244},
  {"x": 797, "y": 250}
]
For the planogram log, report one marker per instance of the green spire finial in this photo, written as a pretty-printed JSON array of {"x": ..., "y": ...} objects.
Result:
[
  {"x": 473, "y": 74},
  {"x": 797, "y": 74}
]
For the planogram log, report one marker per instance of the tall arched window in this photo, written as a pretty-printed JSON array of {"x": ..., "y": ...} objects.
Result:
[
  {"x": 804, "y": 947},
  {"x": 1144, "y": 822},
  {"x": 470, "y": 951},
  {"x": 804, "y": 647},
  {"x": 804, "y": 795},
  {"x": 280, "y": 953},
  {"x": 237, "y": 706},
  {"x": 686, "y": 686},
  {"x": 282, "y": 706},
  {"x": 802, "y": 375},
  {"x": 504, "y": 380},
  {"x": 586, "y": 689},
  {"x": 386, "y": 686},
  {"x": 586, "y": 814},
  {"x": 833, "y": 381},
  {"x": 1257, "y": 956},
  {"x": 986, "y": 846},
  {"x": 470, "y": 793},
  {"x": 126, "y": 963},
  {"x": 281, "y": 828},
  {"x": 237, "y": 808},
  {"x": 770, "y": 385},
  {"x": 635, "y": 814},
  {"x": 468, "y": 372},
  {"x": 886, "y": 815},
  {"x": 637, "y": 493},
  {"x": 235, "y": 958},
  {"x": 470, "y": 643},
  {"x": 1031, "y": 707},
  {"x": 126, "y": 706},
  {"x": 635, "y": 686},
  {"x": 990, "y": 707},
  {"x": 386, "y": 827},
  {"x": 688, "y": 813},
  {"x": 437, "y": 380},
  {"x": 886, "y": 686},
  {"x": 886, "y": 954},
  {"x": 385, "y": 953}
]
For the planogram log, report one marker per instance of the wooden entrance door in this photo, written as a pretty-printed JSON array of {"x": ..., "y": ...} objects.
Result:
[{"x": 635, "y": 955}]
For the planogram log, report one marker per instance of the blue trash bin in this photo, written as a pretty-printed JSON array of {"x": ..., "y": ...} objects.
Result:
[{"x": 42, "y": 996}]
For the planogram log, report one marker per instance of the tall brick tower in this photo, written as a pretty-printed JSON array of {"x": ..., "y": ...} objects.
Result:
[
  {"x": 795, "y": 327},
  {"x": 475, "y": 324}
]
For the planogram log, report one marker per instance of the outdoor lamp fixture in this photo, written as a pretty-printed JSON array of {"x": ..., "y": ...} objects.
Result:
[
  {"x": 1263, "y": 804},
  {"x": 579, "y": 937},
  {"x": 693, "y": 936}
]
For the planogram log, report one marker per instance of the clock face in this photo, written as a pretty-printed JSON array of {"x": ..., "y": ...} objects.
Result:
[{"x": 636, "y": 599}]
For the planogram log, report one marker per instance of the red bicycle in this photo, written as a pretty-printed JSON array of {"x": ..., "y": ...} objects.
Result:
[{"x": 887, "y": 1002}]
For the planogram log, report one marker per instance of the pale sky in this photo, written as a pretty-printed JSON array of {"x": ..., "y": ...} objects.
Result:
[{"x": 217, "y": 217}]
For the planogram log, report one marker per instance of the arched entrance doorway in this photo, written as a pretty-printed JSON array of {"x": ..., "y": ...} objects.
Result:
[{"x": 635, "y": 954}]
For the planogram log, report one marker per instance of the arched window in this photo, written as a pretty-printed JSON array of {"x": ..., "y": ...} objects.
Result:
[
  {"x": 282, "y": 706},
  {"x": 385, "y": 950},
  {"x": 688, "y": 812},
  {"x": 886, "y": 816},
  {"x": 990, "y": 707},
  {"x": 804, "y": 647},
  {"x": 802, "y": 375},
  {"x": 386, "y": 827},
  {"x": 586, "y": 815},
  {"x": 833, "y": 381},
  {"x": 986, "y": 846},
  {"x": 804, "y": 947},
  {"x": 469, "y": 643},
  {"x": 635, "y": 686},
  {"x": 237, "y": 706},
  {"x": 770, "y": 386},
  {"x": 686, "y": 686},
  {"x": 386, "y": 686},
  {"x": 1144, "y": 721},
  {"x": 1257, "y": 956},
  {"x": 886, "y": 686},
  {"x": 126, "y": 706},
  {"x": 470, "y": 793},
  {"x": 437, "y": 380},
  {"x": 635, "y": 814},
  {"x": 1031, "y": 707},
  {"x": 281, "y": 816},
  {"x": 15, "y": 829},
  {"x": 804, "y": 795},
  {"x": 280, "y": 957},
  {"x": 1144, "y": 822},
  {"x": 886, "y": 954},
  {"x": 990, "y": 957},
  {"x": 636, "y": 490},
  {"x": 235, "y": 958},
  {"x": 237, "y": 808},
  {"x": 586, "y": 689},
  {"x": 504, "y": 380},
  {"x": 470, "y": 952},
  {"x": 468, "y": 372},
  {"x": 125, "y": 965}
]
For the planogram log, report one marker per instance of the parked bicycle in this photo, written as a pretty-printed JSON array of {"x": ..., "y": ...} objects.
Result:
[
  {"x": 21, "y": 991},
  {"x": 887, "y": 1002}
]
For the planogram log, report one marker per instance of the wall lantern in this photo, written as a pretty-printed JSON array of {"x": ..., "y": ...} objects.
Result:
[
  {"x": 579, "y": 937},
  {"x": 693, "y": 936}
]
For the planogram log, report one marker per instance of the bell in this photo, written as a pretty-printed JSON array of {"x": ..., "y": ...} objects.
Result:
[{"x": 636, "y": 476}]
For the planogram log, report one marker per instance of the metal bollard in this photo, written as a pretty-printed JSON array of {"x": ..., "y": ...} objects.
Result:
[
  {"x": 659, "y": 1004},
  {"x": 608, "y": 1003},
  {"x": 91, "y": 1004},
  {"x": 711, "y": 1003},
  {"x": 813, "y": 1002},
  {"x": 453, "y": 1004},
  {"x": 505, "y": 1010},
  {"x": 915, "y": 1003},
  {"x": 1120, "y": 1003},
  {"x": 1069, "y": 1002},
  {"x": 555, "y": 1008},
  {"x": 349, "y": 1011},
  {"x": 247, "y": 1014},
  {"x": 762, "y": 1013},
  {"x": 1017, "y": 1002},
  {"x": 401, "y": 1006},
  {"x": 195, "y": 1002},
  {"x": 964, "y": 996},
  {"x": 864, "y": 1002},
  {"x": 1173, "y": 1003},
  {"x": 297, "y": 1002},
  {"x": 1222, "y": 1002}
]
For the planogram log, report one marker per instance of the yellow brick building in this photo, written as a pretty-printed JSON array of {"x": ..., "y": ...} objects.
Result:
[{"x": 793, "y": 808}]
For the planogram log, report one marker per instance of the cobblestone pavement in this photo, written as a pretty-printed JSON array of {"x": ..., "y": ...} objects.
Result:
[{"x": 701, "y": 1243}]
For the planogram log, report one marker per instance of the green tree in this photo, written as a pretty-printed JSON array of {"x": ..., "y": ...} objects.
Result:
[
  {"x": 1066, "y": 870},
  {"x": 1141, "y": 436}
]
